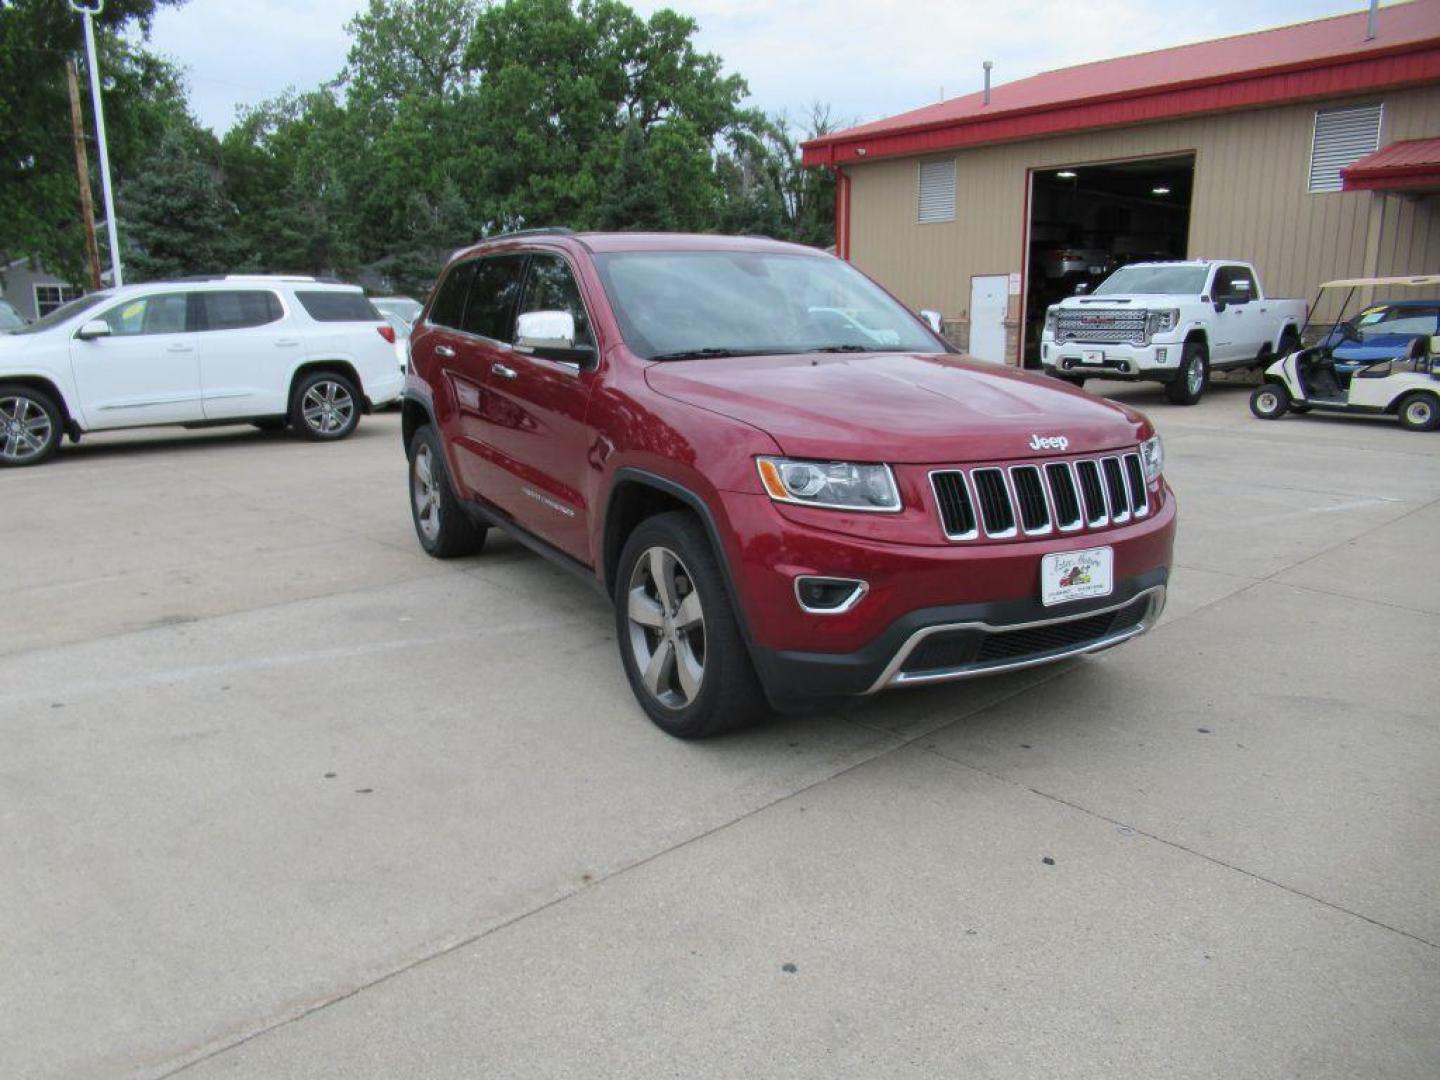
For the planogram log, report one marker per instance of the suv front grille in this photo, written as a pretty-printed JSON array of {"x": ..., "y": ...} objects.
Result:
[
  {"x": 1106, "y": 326},
  {"x": 1037, "y": 499}
]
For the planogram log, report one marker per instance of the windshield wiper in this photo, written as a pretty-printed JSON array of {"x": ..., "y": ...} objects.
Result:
[
  {"x": 700, "y": 354},
  {"x": 852, "y": 348}
]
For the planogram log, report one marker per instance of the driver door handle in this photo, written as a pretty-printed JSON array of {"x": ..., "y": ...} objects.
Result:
[
  {"x": 503, "y": 371},
  {"x": 445, "y": 351}
]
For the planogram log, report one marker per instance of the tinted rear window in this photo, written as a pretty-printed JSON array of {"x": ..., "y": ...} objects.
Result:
[
  {"x": 490, "y": 311},
  {"x": 239, "y": 308},
  {"x": 338, "y": 306}
]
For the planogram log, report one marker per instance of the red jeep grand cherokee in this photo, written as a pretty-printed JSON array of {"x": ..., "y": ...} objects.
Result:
[{"x": 789, "y": 486}]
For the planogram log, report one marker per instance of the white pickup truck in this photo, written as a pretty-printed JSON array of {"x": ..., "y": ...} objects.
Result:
[{"x": 1172, "y": 323}]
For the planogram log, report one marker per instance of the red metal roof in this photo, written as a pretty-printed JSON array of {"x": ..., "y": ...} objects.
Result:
[
  {"x": 1401, "y": 166},
  {"x": 1324, "y": 58}
]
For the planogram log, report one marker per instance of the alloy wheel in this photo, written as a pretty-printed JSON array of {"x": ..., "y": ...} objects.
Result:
[
  {"x": 1268, "y": 401},
  {"x": 1419, "y": 412},
  {"x": 425, "y": 492},
  {"x": 667, "y": 628},
  {"x": 25, "y": 429},
  {"x": 1195, "y": 376},
  {"x": 327, "y": 407}
]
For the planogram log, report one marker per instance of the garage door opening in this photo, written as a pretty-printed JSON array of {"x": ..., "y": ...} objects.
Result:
[{"x": 1088, "y": 220}]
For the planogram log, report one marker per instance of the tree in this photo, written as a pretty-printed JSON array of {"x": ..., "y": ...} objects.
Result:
[
  {"x": 38, "y": 200},
  {"x": 178, "y": 219}
]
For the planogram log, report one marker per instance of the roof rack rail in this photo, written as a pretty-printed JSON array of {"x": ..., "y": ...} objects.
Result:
[{"x": 549, "y": 230}]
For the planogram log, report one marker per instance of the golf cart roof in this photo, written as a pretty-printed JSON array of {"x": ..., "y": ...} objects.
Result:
[{"x": 1419, "y": 281}]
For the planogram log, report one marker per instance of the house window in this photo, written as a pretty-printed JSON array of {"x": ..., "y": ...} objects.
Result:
[
  {"x": 937, "y": 191},
  {"x": 50, "y": 297},
  {"x": 1342, "y": 137}
]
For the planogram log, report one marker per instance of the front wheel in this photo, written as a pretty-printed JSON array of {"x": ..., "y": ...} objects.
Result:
[
  {"x": 1418, "y": 412},
  {"x": 679, "y": 638},
  {"x": 1270, "y": 401},
  {"x": 325, "y": 407},
  {"x": 1190, "y": 381},
  {"x": 30, "y": 426},
  {"x": 442, "y": 526}
]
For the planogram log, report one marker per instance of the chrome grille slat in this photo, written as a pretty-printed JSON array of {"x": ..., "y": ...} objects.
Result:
[
  {"x": 957, "y": 509},
  {"x": 1030, "y": 499},
  {"x": 997, "y": 509},
  {"x": 1139, "y": 497},
  {"x": 1093, "y": 491},
  {"x": 1115, "y": 490},
  {"x": 1064, "y": 495}
]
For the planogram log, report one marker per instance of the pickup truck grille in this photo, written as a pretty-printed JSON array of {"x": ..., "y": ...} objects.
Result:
[
  {"x": 998, "y": 502},
  {"x": 1106, "y": 326}
]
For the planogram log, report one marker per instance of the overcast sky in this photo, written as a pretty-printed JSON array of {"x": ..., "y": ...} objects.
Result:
[{"x": 866, "y": 58}]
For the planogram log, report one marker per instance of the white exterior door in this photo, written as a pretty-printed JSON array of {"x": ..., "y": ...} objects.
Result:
[
  {"x": 989, "y": 304},
  {"x": 248, "y": 348},
  {"x": 145, "y": 372}
]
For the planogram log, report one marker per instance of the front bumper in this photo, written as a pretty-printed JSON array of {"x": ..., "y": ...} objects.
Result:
[
  {"x": 930, "y": 612},
  {"x": 1157, "y": 360}
]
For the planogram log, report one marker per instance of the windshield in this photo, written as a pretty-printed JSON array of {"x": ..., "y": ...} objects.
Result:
[
  {"x": 9, "y": 318},
  {"x": 1173, "y": 280},
  {"x": 676, "y": 304},
  {"x": 64, "y": 313}
]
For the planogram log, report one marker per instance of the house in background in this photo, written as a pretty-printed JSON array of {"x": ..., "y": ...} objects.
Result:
[
  {"x": 1311, "y": 150},
  {"x": 32, "y": 291}
]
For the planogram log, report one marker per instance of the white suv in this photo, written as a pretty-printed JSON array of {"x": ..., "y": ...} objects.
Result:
[{"x": 270, "y": 351}]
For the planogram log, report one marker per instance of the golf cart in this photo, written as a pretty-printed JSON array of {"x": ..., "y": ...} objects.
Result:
[{"x": 1405, "y": 384}]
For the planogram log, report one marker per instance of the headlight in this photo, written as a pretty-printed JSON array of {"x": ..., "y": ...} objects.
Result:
[
  {"x": 1052, "y": 319},
  {"x": 1152, "y": 458},
  {"x": 1158, "y": 322},
  {"x": 839, "y": 485}
]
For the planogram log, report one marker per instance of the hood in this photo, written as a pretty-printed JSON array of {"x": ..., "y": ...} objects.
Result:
[
  {"x": 899, "y": 407},
  {"x": 1127, "y": 301}
]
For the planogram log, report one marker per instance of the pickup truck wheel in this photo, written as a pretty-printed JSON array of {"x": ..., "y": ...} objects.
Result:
[
  {"x": 1420, "y": 412},
  {"x": 30, "y": 426},
  {"x": 326, "y": 406},
  {"x": 1190, "y": 381},
  {"x": 1289, "y": 343},
  {"x": 1270, "y": 401},
  {"x": 442, "y": 526},
  {"x": 679, "y": 640}
]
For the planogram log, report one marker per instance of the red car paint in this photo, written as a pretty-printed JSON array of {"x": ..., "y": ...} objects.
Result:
[{"x": 544, "y": 448}]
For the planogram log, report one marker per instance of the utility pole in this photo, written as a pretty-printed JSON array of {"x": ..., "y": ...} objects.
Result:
[
  {"x": 82, "y": 173},
  {"x": 88, "y": 13}
]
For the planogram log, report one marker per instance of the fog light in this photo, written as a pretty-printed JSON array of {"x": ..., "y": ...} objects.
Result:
[
  {"x": 828, "y": 596},
  {"x": 1160, "y": 356}
]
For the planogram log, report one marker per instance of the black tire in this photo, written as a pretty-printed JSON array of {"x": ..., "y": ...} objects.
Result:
[
  {"x": 1187, "y": 388},
  {"x": 325, "y": 406},
  {"x": 1419, "y": 411},
  {"x": 270, "y": 423},
  {"x": 1289, "y": 343},
  {"x": 31, "y": 426},
  {"x": 1270, "y": 401},
  {"x": 726, "y": 694},
  {"x": 443, "y": 527}
]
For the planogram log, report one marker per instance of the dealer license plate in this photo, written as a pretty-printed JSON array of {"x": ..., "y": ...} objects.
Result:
[
  {"x": 1077, "y": 575},
  {"x": 1092, "y": 356}
]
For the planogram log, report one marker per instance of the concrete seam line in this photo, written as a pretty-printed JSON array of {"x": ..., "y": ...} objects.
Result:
[
  {"x": 1349, "y": 540},
  {"x": 1181, "y": 847}
]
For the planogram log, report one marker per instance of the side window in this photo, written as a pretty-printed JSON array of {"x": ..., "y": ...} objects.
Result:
[
  {"x": 163, "y": 314},
  {"x": 449, "y": 306},
  {"x": 494, "y": 293},
  {"x": 551, "y": 287},
  {"x": 238, "y": 309},
  {"x": 1235, "y": 284},
  {"x": 338, "y": 305}
]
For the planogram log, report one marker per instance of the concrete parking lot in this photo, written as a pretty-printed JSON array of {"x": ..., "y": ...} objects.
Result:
[{"x": 280, "y": 796}]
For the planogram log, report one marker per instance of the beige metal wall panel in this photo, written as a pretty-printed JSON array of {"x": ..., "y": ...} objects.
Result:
[{"x": 1250, "y": 202}]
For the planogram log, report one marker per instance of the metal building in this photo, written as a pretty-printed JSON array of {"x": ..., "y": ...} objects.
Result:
[{"x": 1311, "y": 150}]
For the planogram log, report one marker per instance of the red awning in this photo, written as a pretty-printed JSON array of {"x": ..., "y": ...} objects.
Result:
[{"x": 1412, "y": 165}]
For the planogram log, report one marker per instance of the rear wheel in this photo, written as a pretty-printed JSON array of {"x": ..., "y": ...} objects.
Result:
[
  {"x": 679, "y": 639},
  {"x": 1420, "y": 412},
  {"x": 30, "y": 426},
  {"x": 1289, "y": 342},
  {"x": 1270, "y": 401},
  {"x": 1190, "y": 381},
  {"x": 442, "y": 526},
  {"x": 326, "y": 406}
]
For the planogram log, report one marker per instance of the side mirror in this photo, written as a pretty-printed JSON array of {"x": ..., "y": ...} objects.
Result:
[
  {"x": 1219, "y": 305},
  {"x": 95, "y": 328},
  {"x": 932, "y": 319},
  {"x": 550, "y": 334},
  {"x": 1082, "y": 288}
]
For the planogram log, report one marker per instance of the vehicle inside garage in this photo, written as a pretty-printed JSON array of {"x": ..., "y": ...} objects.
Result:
[{"x": 1087, "y": 220}]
